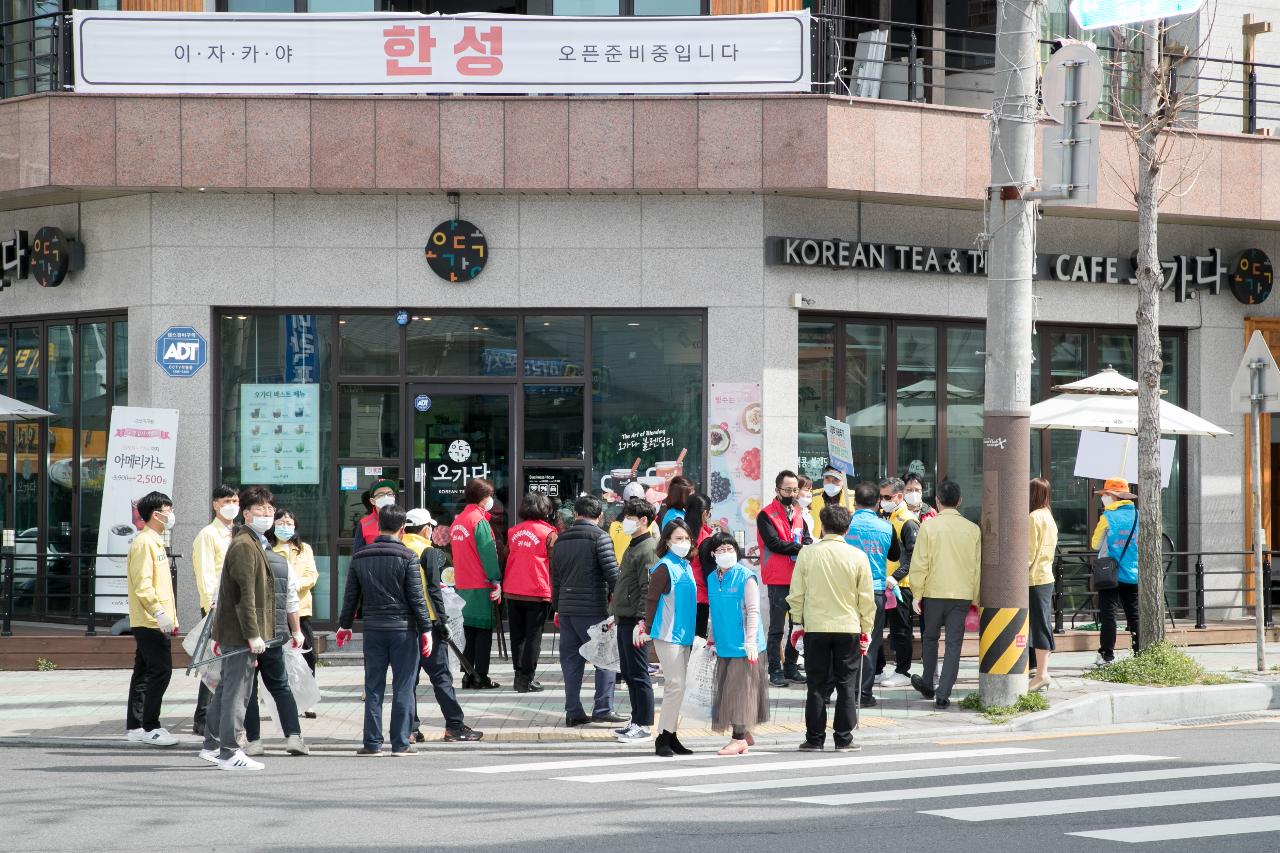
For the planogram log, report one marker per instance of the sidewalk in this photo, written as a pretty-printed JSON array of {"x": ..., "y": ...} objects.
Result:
[{"x": 86, "y": 707}]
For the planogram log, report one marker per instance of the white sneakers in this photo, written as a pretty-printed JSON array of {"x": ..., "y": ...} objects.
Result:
[
  {"x": 155, "y": 737},
  {"x": 879, "y": 679},
  {"x": 632, "y": 734},
  {"x": 209, "y": 755},
  {"x": 895, "y": 679},
  {"x": 239, "y": 761}
]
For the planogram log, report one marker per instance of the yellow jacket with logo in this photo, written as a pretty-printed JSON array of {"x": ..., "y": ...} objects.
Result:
[
  {"x": 831, "y": 588},
  {"x": 207, "y": 554},
  {"x": 900, "y": 517},
  {"x": 948, "y": 558},
  {"x": 819, "y": 501},
  {"x": 302, "y": 565},
  {"x": 150, "y": 586},
  {"x": 417, "y": 544}
]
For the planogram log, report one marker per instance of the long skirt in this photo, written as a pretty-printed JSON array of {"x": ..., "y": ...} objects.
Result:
[{"x": 742, "y": 694}]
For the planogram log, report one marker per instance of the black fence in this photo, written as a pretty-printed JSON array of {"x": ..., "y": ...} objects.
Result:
[
  {"x": 35, "y": 55},
  {"x": 36, "y": 584}
]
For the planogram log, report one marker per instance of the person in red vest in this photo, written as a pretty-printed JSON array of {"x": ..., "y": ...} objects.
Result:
[
  {"x": 697, "y": 514},
  {"x": 477, "y": 578},
  {"x": 781, "y": 533},
  {"x": 527, "y": 585},
  {"x": 381, "y": 493}
]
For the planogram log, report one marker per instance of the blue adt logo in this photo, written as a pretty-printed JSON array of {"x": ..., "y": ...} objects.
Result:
[
  {"x": 422, "y": 403},
  {"x": 181, "y": 351}
]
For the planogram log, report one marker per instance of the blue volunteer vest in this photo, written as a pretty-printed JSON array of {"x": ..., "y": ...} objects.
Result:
[
  {"x": 727, "y": 597},
  {"x": 872, "y": 535},
  {"x": 677, "y": 608},
  {"x": 1120, "y": 521}
]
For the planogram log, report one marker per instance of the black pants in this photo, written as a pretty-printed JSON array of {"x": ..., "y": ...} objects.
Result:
[
  {"x": 828, "y": 655},
  {"x": 527, "y": 619},
  {"x": 479, "y": 647},
  {"x": 779, "y": 637},
  {"x": 304, "y": 623},
  {"x": 899, "y": 621},
  {"x": 203, "y": 695},
  {"x": 1126, "y": 595},
  {"x": 700, "y": 619},
  {"x": 876, "y": 647},
  {"x": 634, "y": 663},
  {"x": 276, "y": 679},
  {"x": 437, "y": 669},
  {"x": 152, "y": 669}
]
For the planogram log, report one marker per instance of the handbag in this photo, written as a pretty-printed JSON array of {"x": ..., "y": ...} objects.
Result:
[{"x": 1106, "y": 569}]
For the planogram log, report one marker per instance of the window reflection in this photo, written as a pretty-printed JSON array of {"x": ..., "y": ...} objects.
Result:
[
  {"x": 868, "y": 417},
  {"x": 966, "y": 381},
  {"x": 816, "y": 386},
  {"x": 462, "y": 345},
  {"x": 917, "y": 396}
]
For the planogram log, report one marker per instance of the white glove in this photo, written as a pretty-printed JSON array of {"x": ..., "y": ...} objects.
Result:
[
  {"x": 609, "y": 623},
  {"x": 299, "y": 640},
  {"x": 166, "y": 624},
  {"x": 890, "y": 584},
  {"x": 753, "y": 653},
  {"x": 638, "y": 635},
  {"x": 496, "y": 593},
  {"x": 257, "y": 646}
]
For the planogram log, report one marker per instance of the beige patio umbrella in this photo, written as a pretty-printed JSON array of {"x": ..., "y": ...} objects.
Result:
[{"x": 16, "y": 410}]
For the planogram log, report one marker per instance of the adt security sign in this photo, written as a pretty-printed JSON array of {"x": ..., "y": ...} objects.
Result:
[
  {"x": 1093, "y": 14},
  {"x": 181, "y": 351},
  {"x": 422, "y": 403}
]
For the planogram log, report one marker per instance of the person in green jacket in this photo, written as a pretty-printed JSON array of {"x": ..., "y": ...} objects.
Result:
[
  {"x": 477, "y": 578},
  {"x": 628, "y": 609}
]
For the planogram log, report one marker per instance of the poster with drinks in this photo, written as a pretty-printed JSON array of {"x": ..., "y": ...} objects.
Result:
[
  {"x": 280, "y": 434},
  {"x": 733, "y": 468},
  {"x": 141, "y": 449},
  {"x": 655, "y": 462}
]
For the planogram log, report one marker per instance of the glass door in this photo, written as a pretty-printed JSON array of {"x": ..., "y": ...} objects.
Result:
[{"x": 460, "y": 433}]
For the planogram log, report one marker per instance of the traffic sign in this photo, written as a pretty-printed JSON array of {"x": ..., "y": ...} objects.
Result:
[
  {"x": 1242, "y": 385},
  {"x": 1084, "y": 93},
  {"x": 1095, "y": 14},
  {"x": 181, "y": 351}
]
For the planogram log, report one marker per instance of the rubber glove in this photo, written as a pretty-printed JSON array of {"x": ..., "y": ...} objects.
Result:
[
  {"x": 753, "y": 654},
  {"x": 167, "y": 625},
  {"x": 426, "y": 645},
  {"x": 215, "y": 649},
  {"x": 496, "y": 594},
  {"x": 864, "y": 642},
  {"x": 609, "y": 623},
  {"x": 299, "y": 640},
  {"x": 915, "y": 605},
  {"x": 638, "y": 636},
  {"x": 556, "y": 620},
  {"x": 797, "y": 634},
  {"x": 889, "y": 583},
  {"x": 257, "y": 645},
  {"x": 343, "y": 636}
]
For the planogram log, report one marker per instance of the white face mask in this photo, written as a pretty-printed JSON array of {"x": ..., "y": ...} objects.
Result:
[
  {"x": 630, "y": 526},
  {"x": 170, "y": 518},
  {"x": 487, "y": 504},
  {"x": 229, "y": 511},
  {"x": 726, "y": 560},
  {"x": 261, "y": 523},
  {"x": 832, "y": 489},
  {"x": 804, "y": 500},
  {"x": 284, "y": 534},
  {"x": 914, "y": 499},
  {"x": 888, "y": 505},
  {"x": 383, "y": 500},
  {"x": 1106, "y": 500},
  {"x": 680, "y": 549}
]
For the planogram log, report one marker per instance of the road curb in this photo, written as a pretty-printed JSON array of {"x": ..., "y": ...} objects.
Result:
[{"x": 1152, "y": 705}]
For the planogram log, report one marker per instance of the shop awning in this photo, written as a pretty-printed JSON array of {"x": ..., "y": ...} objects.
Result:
[{"x": 15, "y": 410}]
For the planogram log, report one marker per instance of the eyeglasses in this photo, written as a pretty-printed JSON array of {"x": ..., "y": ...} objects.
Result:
[
  {"x": 788, "y": 491},
  {"x": 725, "y": 550}
]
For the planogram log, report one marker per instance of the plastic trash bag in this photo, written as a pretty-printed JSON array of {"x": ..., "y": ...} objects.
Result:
[
  {"x": 453, "y": 605},
  {"x": 601, "y": 650},
  {"x": 699, "y": 685},
  {"x": 302, "y": 684}
]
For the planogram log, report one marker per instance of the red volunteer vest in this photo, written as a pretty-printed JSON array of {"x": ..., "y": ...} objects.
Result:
[
  {"x": 695, "y": 561},
  {"x": 777, "y": 568},
  {"x": 468, "y": 571},
  {"x": 369, "y": 527},
  {"x": 528, "y": 565}
]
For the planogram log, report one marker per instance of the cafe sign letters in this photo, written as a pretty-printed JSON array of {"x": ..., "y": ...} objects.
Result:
[{"x": 1183, "y": 274}]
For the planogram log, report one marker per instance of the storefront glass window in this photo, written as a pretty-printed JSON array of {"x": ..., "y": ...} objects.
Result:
[
  {"x": 369, "y": 345},
  {"x": 1068, "y": 361},
  {"x": 369, "y": 422},
  {"x": 120, "y": 363},
  {"x": 647, "y": 397},
  {"x": 553, "y": 421},
  {"x": 461, "y": 345},
  {"x": 917, "y": 396},
  {"x": 6, "y": 348},
  {"x": 864, "y": 387},
  {"x": 95, "y": 418},
  {"x": 27, "y": 367},
  {"x": 553, "y": 346},
  {"x": 1116, "y": 350},
  {"x": 966, "y": 382},
  {"x": 59, "y": 463},
  {"x": 816, "y": 392}
]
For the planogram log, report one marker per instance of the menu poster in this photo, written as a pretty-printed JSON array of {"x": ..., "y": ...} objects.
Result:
[
  {"x": 734, "y": 441},
  {"x": 141, "y": 449},
  {"x": 280, "y": 434}
]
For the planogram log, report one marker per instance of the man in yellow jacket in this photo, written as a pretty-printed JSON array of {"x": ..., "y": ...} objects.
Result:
[
  {"x": 153, "y": 618},
  {"x": 835, "y": 492},
  {"x": 833, "y": 608},
  {"x": 207, "y": 554},
  {"x": 945, "y": 572}
]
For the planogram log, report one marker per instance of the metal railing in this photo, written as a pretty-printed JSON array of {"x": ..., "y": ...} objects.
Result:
[
  {"x": 1186, "y": 582},
  {"x": 80, "y": 573},
  {"x": 35, "y": 55}
]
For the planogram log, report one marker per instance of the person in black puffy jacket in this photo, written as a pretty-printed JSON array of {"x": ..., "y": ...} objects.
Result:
[
  {"x": 584, "y": 571},
  {"x": 384, "y": 584}
]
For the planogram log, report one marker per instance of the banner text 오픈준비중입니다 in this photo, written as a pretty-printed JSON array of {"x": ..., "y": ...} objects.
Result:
[{"x": 125, "y": 52}]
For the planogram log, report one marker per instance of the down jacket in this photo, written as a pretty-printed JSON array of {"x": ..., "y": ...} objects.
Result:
[{"x": 584, "y": 571}]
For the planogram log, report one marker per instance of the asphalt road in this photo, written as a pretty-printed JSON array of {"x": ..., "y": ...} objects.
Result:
[{"x": 1150, "y": 788}]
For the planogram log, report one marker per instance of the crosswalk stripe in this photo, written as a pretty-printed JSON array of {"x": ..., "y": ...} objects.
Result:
[
  {"x": 575, "y": 763},
  {"x": 1157, "y": 799},
  {"x": 923, "y": 773},
  {"x": 738, "y": 765},
  {"x": 1194, "y": 829},
  {"x": 1038, "y": 785}
]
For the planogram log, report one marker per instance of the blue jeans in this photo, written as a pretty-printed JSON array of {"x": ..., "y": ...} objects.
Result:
[
  {"x": 400, "y": 650},
  {"x": 437, "y": 669},
  {"x": 573, "y": 634}
]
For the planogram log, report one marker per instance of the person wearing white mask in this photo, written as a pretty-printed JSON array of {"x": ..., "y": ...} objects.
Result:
[
  {"x": 153, "y": 618},
  {"x": 671, "y": 606},
  {"x": 477, "y": 578},
  {"x": 628, "y": 608},
  {"x": 835, "y": 490},
  {"x": 381, "y": 493},
  {"x": 207, "y": 554},
  {"x": 913, "y": 497},
  {"x": 737, "y": 633}
]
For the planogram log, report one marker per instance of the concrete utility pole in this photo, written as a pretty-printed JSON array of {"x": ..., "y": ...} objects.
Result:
[{"x": 1006, "y": 442}]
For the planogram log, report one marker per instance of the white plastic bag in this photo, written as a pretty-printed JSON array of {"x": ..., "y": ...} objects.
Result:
[
  {"x": 210, "y": 673},
  {"x": 189, "y": 641},
  {"x": 601, "y": 650},
  {"x": 302, "y": 684},
  {"x": 699, "y": 684},
  {"x": 453, "y": 604}
]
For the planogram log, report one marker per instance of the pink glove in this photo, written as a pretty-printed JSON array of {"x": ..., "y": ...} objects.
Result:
[
  {"x": 343, "y": 636},
  {"x": 556, "y": 620},
  {"x": 426, "y": 645},
  {"x": 796, "y": 636},
  {"x": 864, "y": 642}
]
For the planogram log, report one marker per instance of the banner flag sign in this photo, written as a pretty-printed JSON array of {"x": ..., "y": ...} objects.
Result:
[
  {"x": 394, "y": 53},
  {"x": 840, "y": 445}
]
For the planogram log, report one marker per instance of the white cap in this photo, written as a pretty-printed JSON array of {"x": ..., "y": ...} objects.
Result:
[
  {"x": 633, "y": 490},
  {"x": 418, "y": 516}
]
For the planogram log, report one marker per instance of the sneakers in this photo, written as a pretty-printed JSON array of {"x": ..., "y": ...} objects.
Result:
[
  {"x": 465, "y": 734},
  {"x": 239, "y": 761},
  {"x": 896, "y": 679},
  {"x": 795, "y": 676},
  {"x": 879, "y": 679},
  {"x": 365, "y": 752},
  {"x": 135, "y": 735},
  {"x": 777, "y": 679},
  {"x": 295, "y": 745},
  {"x": 402, "y": 753},
  {"x": 633, "y": 734},
  {"x": 1100, "y": 661},
  {"x": 847, "y": 747},
  {"x": 209, "y": 755},
  {"x": 811, "y": 746},
  {"x": 867, "y": 702},
  {"x": 255, "y": 747},
  {"x": 155, "y": 737}
]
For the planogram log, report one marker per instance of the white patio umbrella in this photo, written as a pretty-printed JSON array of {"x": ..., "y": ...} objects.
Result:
[
  {"x": 15, "y": 410},
  {"x": 1108, "y": 402}
]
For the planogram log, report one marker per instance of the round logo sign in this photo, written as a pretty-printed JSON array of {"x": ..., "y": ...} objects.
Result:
[
  {"x": 402, "y": 317},
  {"x": 50, "y": 257},
  {"x": 1251, "y": 277},
  {"x": 422, "y": 403},
  {"x": 457, "y": 250},
  {"x": 459, "y": 451}
]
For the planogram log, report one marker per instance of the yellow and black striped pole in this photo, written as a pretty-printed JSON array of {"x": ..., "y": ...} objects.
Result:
[{"x": 1002, "y": 643}]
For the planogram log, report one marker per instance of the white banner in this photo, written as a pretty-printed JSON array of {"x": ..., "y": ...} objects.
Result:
[
  {"x": 1103, "y": 455},
  {"x": 373, "y": 54},
  {"x": 141, "y": 448}
]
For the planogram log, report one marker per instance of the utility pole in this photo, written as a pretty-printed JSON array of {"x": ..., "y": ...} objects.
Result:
[{"x": 1006, "y": 436}]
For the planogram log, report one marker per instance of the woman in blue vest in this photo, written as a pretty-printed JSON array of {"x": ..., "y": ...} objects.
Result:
[
  {"x": 671, "y": 606},
  {"x": 742, "y": 685}
]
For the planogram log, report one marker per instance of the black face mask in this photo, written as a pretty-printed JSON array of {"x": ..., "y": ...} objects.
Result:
[{"x": 786, "y": 500}]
